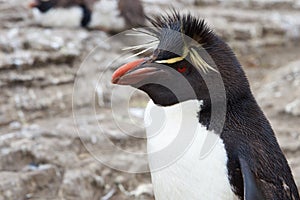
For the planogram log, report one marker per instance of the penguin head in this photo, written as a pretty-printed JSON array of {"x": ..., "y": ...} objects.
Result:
[
  {"x": 43, "y": 5},
  {"x": 187, "y": 64}
]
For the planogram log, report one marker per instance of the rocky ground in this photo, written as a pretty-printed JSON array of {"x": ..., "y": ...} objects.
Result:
[{"x": 47, "y": 154}]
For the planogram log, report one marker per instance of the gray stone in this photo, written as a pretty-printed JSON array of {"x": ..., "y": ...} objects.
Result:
[
  {"x": 143, "y": 189},
  {"x": 83, "y": 179},
  {"x": 293, "y": 108},
  {"x": 11, "y": 186}
]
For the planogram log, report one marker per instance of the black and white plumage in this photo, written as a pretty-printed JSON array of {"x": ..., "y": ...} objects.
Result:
[
  {"x": 108, "y": 15},
  {"x": 62, "y": 13},
  {"x": 246, "y": 161}
]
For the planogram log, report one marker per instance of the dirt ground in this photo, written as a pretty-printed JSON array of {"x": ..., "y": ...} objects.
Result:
[{"x": 56, "y": 135}]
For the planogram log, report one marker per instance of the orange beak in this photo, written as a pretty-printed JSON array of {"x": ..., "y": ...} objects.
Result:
[
  {"x": 32, "y": 4},
  {"x": 135, "y": 72},
  {"x": 125, "y": 68}
]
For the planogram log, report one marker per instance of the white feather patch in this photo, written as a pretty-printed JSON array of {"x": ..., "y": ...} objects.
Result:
[
  {"x": 59, "y": 17},
  {"x": 189, "y": 177}
]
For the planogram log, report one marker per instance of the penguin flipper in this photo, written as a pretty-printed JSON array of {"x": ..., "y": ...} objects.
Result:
[{"x": 252, "y": 190}]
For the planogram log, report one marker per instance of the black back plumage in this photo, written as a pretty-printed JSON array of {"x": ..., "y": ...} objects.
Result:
[{"x": 248, "y": 136}]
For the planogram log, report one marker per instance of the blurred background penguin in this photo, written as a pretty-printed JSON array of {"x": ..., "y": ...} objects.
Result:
[{"x": 108, "y": 15}]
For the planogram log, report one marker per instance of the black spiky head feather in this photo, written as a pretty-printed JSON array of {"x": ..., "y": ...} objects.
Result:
[
  {"x": 195, "y": 28},
  {"x": 182, "y": 35},
  {"x": 192, "y": 38}
]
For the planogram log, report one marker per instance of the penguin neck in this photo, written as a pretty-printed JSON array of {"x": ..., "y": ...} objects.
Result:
[
  {"x": 223, "y": 110},
  {"x": 165, "y": 124}
]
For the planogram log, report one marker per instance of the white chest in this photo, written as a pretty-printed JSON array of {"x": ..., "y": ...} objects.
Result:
[
  {"x": 177, "y": 170},
  {"x": 59, "y": 17}
]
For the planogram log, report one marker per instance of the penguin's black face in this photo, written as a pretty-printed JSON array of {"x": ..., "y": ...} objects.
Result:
[
  {"x": 177, "y": 82},
  {"x": 180, "y": 81},
  {"x": 167, "y": 78},
  {"x": 43, "y": 5}
]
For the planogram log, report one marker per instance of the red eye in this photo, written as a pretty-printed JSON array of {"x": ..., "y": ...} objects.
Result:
[{"x": 182, "y": 69}]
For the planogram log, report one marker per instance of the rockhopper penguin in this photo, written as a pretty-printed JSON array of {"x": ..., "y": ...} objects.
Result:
[
  {"x": 245, "y": 161},
  {"x": 107, "y": 15}
]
